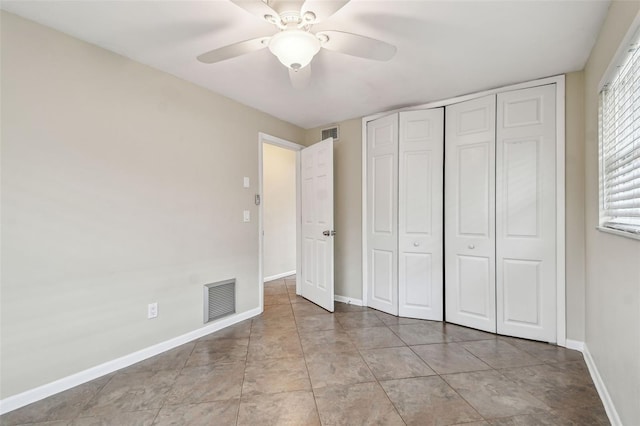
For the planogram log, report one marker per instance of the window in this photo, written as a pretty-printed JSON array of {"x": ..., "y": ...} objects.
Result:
[{"x": 619, "y": 127}]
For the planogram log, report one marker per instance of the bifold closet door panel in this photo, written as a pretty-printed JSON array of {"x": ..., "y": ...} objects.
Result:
[
  {"x": 382, "y": 214},
  {"x": 470, "y": 213},
  {"x": 525, "y": 213},
  {"x": 420, "y": 197}
]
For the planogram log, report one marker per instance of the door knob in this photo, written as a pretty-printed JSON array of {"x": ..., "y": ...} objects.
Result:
[
  {"x": 416, "y": 243},
  {"x": 329, "y": 233},
  {"x": 471, "y": 246}
]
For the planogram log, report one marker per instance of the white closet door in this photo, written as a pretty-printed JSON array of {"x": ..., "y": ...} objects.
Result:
[
  {"x": 470, "y": 213},
  {"x": 382, "y": 214},
  {"x": 421, "y": 155},
  {"x": 525, "y": 213}
]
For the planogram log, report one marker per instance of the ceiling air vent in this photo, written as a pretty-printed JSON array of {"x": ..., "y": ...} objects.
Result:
[{"x": 331, "y": 132}]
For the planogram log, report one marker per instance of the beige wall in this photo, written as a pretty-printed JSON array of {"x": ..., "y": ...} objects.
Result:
[
  {"x": 347, "y": 170},
  {"x": 279, "y": 210},
  {"x": 612, "y": 262},
  {"x": 121, "y": 186},
  {"x": 574, "y": 204}
]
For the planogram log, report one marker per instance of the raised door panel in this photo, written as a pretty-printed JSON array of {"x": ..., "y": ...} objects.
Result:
[
  {"x": 382, "y": 194},
  {"x": 470, "y": 213},
  {"x": 525, "y": 213},
  {"x": 383, "y": 267},
  {"x": 382, "y": 214},
  {"x": 521, "y": 195},
  {"x": 473, "y": 190},
  {"x": 418, "y": 284},
  {"x": 417, "y": 181},
  {"x": 308, "y": 218},
  {"x": 474, "y": 287},
  {"x": 522, "y": 292},
  {"x": 420, "y": 214}
]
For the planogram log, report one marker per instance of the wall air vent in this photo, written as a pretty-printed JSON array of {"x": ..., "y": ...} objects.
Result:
[
  {"x": 331, "y": 132},
  {"x": 219, "y": 300}
]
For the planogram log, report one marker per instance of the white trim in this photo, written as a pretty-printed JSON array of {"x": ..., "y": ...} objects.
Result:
[
  {"x": 463, "y": 98},
  {"x": 559, "y": 81},
  {"x": 607, "y": 402},
  {"x": 348, "y": 300},
  {"x": 277, "y": 276},
  {"x": 298, "y": 222},
  {"x": 20, "y": 400},
  {"x": 365, "y": 277},
  {"x": 273, "y": 140},
  {"x": 621, "y": 52},
  {"x": 618, "y": 232},
  {"x": 561, "y": 292},
  {"x": 609, "y": 407},
  {"x": 260, "y": 225},
  {"x": 576, "y": 345}
]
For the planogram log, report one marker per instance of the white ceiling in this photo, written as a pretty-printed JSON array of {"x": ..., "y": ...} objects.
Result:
[{"x": 445, "y": 48}]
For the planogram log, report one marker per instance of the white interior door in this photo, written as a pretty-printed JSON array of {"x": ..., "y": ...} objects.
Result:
[
  {"x": 317, "y": 223},
  {"x": 525, "y": 213},
  {"x": 382, "y": 214},
  {"x": 421, "y": 154},
  {"x": 470, "y": 213}
]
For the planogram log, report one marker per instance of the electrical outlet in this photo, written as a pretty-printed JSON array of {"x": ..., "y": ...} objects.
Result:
[
  {"x": 152, "y": 310},
  {"x": 246, "y": 216}
]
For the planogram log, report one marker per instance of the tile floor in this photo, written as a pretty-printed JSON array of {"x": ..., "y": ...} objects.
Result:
[{"x": 296, "y": 364}]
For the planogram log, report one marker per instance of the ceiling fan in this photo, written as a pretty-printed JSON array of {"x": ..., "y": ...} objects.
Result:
[{"x": 294, "y": 44}]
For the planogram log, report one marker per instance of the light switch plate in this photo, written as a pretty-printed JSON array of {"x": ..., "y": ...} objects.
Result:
[
  {"x": 152, "y": 310},
  {"x": 246, "y": 216},
  {"x": 246, "y": 182}
]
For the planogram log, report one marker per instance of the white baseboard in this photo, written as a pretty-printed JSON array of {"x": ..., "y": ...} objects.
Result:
[
  {"x": 20, "y": 400},
  {"x": 576, "y": 345},
  {"x": 349, "y": 300},
  {"x": 612, "y": 413},
  {"x": 277, "y": 276}
]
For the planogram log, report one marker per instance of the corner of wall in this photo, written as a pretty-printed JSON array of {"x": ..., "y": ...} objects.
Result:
[{"x": 575, "y": 205}]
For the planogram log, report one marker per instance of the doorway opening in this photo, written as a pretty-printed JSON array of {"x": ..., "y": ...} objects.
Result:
[{"x": 279, "y": 223}]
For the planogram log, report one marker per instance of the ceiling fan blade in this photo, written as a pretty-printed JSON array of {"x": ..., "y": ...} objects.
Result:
[
  {"x": 357, "y": 45},
  {"x": 300, "y": 79},
  {"x": 322, "y": 9},
  {"x": 233, "y": 50},
  {"x": 258, "y": 8}
]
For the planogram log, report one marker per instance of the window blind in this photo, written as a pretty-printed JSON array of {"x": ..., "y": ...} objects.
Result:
[{"x": 620, "y": 146}]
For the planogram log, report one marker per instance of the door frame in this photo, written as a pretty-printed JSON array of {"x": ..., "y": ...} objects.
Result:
[
  {"x": 559, "y": 81},
  {"x": 282, "y": 143}
]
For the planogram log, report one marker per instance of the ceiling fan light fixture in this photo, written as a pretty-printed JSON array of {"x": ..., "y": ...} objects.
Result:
[{"x": 294, "y": 48}]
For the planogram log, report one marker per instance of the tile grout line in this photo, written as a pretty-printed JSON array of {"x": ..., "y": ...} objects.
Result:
[
  {"x": 492, "y": 368},
  {"x": 164, "y": 402},
  {"x": 462, "y": 397},
  {"x": 306, "y": 366},
  {"x": 377, "y": 381},
  {"x": 435, "y": 373},
  {"x": 93, "y": 397},
  {"x": 244, "y": 373}
]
